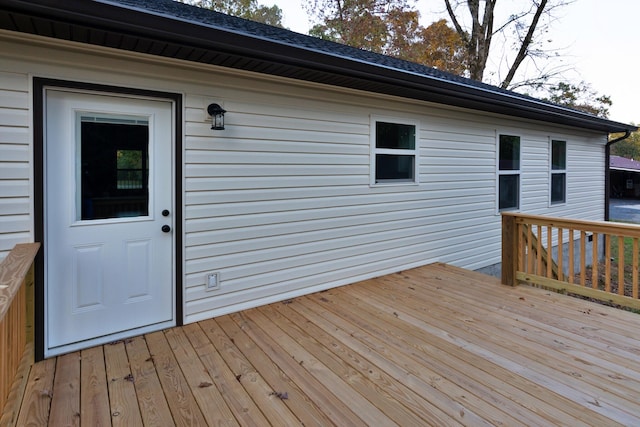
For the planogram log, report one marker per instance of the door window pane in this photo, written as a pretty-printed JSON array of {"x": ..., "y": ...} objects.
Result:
[{"x": 113, "y": 168}]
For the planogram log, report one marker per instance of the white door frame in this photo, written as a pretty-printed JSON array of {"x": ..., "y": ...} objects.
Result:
[{"x": 40, "y": 85}]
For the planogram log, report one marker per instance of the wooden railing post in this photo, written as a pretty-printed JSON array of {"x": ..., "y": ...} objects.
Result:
[
  {"x": 509, "y": 249},
  {"x": 16, "y": 323}
]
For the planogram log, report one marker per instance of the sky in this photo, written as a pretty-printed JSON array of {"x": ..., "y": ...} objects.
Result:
[{"x": 599, "y": 38}]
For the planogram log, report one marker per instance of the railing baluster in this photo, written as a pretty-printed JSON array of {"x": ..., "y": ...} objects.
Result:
[
  {"x": 607, "y": 263},
  {"x": 634, "y": 290},
  {"x": 529, "y": 249},
  {"x": 560, "y": 250},
  {"x": 521, "y": 246},
  {"x": 594, "y": 261},
  {"x": 620, "y": 265},
  {"x": 583, "y": 256},
  {"x": 572, "y": 259},
  {"x": 539, "y": 251},
  {"x": 549, "y": 252}
]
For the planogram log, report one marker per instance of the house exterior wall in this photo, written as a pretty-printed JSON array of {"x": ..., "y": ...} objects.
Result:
[
  {"x": 280, "y": 203},
  {"x": 16, "y": 224}
]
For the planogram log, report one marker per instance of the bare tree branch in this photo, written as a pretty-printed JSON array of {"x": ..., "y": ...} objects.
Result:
[
  {"x": 454, "y": 20},
  {"x": 524, "y": 46}
]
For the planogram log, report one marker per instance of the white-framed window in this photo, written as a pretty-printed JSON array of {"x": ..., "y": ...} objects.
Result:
[
  {"x": 508, "y": 172},
  {"x": 557, "y": 172},
  {"x": 394, "y": 151}
]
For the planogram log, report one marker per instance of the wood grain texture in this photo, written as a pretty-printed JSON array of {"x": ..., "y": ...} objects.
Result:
[
  {"x": 36, "y": 403},
  {"x": 436, "y": 345},
  {"x": 184, "y": 408},
  {"x": 13, "y": 270},
  {"x": 94, "y": 396},
  {"x": 16, "y": 316},
  {"x": 152, "y": 402},
  {"x": 65, "y": 404},
  {"x": 123, "y": 401}
]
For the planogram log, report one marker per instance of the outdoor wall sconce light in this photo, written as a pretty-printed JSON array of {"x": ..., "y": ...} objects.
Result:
[{"x": 217, "y": 116}]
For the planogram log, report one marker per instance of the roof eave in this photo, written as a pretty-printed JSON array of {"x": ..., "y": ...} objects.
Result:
[{"x": 109, "y": 17}]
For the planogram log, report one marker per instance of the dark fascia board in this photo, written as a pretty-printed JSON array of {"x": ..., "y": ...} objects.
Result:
[{"x": 116, "y": 18}]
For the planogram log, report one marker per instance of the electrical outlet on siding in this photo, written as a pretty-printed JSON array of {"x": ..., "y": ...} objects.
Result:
[{"x": 212, "y": 281}]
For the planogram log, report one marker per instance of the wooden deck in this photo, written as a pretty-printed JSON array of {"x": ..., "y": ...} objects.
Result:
[{"x": 435, "y": 345}]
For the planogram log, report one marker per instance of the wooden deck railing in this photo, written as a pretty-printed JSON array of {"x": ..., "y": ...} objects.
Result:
[
  {"x": 16, "y": 323},
  {"x": 595, "y": 259}
]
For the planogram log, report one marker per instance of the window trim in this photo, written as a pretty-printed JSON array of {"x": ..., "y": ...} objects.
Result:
[
  {"x": 558, "y": 171},
  {"x": 500, "y": 172},
  {"x": 406, "y": 152}
]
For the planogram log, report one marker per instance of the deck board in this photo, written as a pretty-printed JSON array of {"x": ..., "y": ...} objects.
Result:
[
  {"x": 436, "y": 345},
  {"x": 36, "y": 405},
  {"x": 209, "y": 399},
  {"x": 94, "y": 396},
  {"x": 183, "y": 405},
  {"x": 123, "y": 401},
  {"x": 238, "y": 399},
  {"x": 65, "y": 405},
  {"x": 152, "y": 402}
]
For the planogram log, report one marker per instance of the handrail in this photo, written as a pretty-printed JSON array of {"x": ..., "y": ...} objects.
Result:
[
  {"x": 573, "y": 256},
  {"x": 16, "y": 315}
]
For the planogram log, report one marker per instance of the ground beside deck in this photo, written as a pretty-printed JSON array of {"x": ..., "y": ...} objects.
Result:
[{"x": 435, "y": 345}]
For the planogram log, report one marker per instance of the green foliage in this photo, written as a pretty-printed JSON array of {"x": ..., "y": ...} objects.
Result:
[
  {"x": 580, "y": 96},
  {"x": 629, "y": 148},
  {"x": 247, "y": 9},
  {"x": 129, "y": 159}
]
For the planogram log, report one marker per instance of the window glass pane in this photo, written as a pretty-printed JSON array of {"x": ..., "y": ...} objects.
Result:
[
  {"x": 394, "y": 135},
  {"x": 395, "y": 167},
  {"x": 509, "y": 152},
  {"x": 558, "y": 155},
  {"x": 558, "y": 186},
  {"x": 509, "y": 186},
  {"x": 113, "y": 167}
]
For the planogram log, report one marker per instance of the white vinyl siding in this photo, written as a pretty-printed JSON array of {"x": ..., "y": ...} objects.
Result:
[
  {"x": 15, "y": 161},
  {"x": 280, "y": 203}
]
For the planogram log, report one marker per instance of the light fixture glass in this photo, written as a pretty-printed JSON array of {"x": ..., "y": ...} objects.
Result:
[{"x": 217, "y": 116}]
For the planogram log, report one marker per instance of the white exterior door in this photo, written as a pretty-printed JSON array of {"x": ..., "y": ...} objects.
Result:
[{"x": 109, "y": 263}]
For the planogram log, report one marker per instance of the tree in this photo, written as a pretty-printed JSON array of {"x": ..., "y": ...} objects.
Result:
[
  {"x": 442, "y": 48},
  {"x": 380, "y": 26},
  {"x": 389, "y": 27},
  {"x": 580, "y": 97},
  {"x": 629, "y": 148},
  {"x": 523, "y": 26},
  {"x": 247, "y": 9}
]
